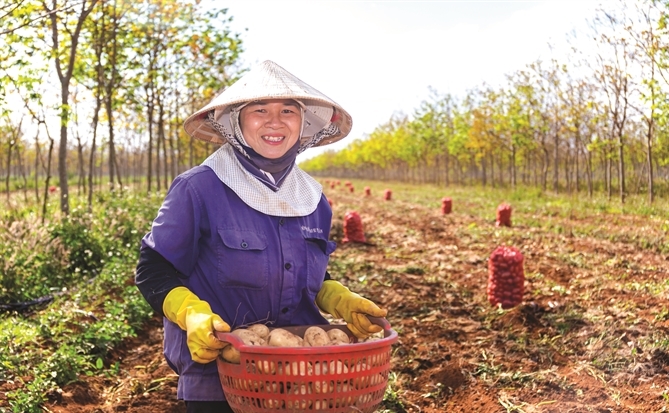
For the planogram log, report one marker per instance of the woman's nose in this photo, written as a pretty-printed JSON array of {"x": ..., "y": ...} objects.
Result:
[{"x": 274, "y": 118}]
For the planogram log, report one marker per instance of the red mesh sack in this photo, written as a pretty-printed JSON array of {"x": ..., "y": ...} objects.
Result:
[
  {"x": 506, "y": 277},
  {"x": 503, "y": 215},
  {"x": 388, "y": 194},
  {"x": 332, "y": 185},
  {"x": 351, "y": 188},
  {"x": 368, "y": 191},
  {"x": 353, "y": 228},
  {"x": 446, "y": 205},
  {"x": 347, "y": 183}
]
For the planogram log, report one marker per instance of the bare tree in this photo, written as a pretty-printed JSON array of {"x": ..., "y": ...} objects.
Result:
[{"x": 65, "y": 71}]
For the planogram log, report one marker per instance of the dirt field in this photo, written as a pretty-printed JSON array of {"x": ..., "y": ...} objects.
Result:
[{"x": 590, "y": 335}]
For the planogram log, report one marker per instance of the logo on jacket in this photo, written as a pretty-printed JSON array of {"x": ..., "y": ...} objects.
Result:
[{"x": 311, "y": 230}]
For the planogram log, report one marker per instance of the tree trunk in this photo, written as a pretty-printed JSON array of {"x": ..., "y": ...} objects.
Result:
[
  {"x": 567, "y": 169},
  {"x": 111, "y": 162},
  {"x": 19, "y": 159},
  {"x": 65, "y": 77},
  {"x": 149, "y": 173},
  {"x": 556, "y": 160},
  {"x": 62, "y": 152},
  {"x": 649, "y": 160},
  {"x": 164, "y": 138},
  {"x": 588, "y": 159},
  {"x": 48, "y": 176},
  {"x": 91, "y": 159},
  {"x": 118, "y": 174},
  {"x": 10, "y": 145},
  {"x": 175, "y": 130},
  {"x": 158, "y": 180},
  {"x": 577, "y": 147},
  {"x": 513, "y": 166},
  {"x": 621, "y": 165},
  {"x": 81, "y": 181},
  {"x": 492, "y": 171},
  {"x": 544, "y": 169},
  {"x": 609, "y": 167},
  {"x": 37, "y": 156},
  {"x": 484, "y": 171}
]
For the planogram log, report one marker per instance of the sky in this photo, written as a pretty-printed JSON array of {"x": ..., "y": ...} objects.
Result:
[{"x": 380, "y": 58}]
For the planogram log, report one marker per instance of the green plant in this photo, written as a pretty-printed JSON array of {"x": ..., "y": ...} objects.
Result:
[
  {"x": 84, "y": 250},
  {"x": 392, "y": 401},
  {"x": 49, "y": 348}
]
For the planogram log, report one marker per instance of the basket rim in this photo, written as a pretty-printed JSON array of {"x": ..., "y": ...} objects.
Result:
[{"x": 390, "y": 337}]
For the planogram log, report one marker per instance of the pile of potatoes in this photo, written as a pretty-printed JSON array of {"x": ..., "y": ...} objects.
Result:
[
  {"x": 261, "y": 335},
  {"x": 285, "y": 371}
]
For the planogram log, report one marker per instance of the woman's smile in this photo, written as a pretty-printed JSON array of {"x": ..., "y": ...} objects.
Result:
[{"x": 272, "y": 126}]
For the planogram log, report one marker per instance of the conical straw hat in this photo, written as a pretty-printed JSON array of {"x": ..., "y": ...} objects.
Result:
[{"x": 270, "y": 81}]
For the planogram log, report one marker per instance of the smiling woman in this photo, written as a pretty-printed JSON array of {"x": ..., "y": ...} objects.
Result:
[
  {"x": 244, "y": 238},
  {"x": 272, "y": 127}
]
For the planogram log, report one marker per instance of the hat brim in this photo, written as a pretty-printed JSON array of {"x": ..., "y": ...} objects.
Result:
[{"x": 267, "y": 81}]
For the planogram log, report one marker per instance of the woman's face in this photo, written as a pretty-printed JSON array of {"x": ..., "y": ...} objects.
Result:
[{"x": 271, "y": 126}]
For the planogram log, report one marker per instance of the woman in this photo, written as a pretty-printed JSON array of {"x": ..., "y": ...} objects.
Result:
[{"x": 244, "y": 237}]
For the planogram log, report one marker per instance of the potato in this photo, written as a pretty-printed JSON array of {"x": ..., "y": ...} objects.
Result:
[
  {"x": 363, "y": 400},
  {"x": 344, "y": 401},
  {"x": 296, "y": 368},
  {"x": 283, "y": 338},
  {"x": 315, "y": 336},
  {"x": 231, "y": 354},
  {"x": 332, "y": 367},
  {"x": 250, "y": 385},
  {"x": 299, "y": 389},
  {"x": 338, "y": 337},
  {"x": 249, "y": 337},
  {"x": 265, "y": 366},
  {"x": 323, "y": 386},
  {"x": 260, "y": 329},
  {"x": 272, "y": 404}
]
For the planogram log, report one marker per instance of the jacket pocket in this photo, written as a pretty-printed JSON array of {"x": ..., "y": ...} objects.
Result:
[
  {"x": 242, "y": 259},
  {"x": 318, "y": 255}
]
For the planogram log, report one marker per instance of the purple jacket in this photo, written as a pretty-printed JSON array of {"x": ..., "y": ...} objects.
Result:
[{"x": 250, "y": 267}]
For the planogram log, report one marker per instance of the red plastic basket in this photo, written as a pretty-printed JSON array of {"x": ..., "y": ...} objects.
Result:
[{"x": 344, "y": 378}]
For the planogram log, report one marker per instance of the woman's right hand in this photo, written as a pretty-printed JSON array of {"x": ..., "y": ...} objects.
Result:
[
  {"x": 195, "y": 317},
  {"x": 200, "y": 326}
]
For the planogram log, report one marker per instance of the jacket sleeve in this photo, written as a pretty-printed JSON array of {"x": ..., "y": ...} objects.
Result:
[{"x": 155, "y": 277}]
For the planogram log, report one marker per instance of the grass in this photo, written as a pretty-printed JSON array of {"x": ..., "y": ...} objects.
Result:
[
  {"x": 558, "y": 221},
  {"x": 88, "y": 258},
  {"x": 86, "y": 262}
]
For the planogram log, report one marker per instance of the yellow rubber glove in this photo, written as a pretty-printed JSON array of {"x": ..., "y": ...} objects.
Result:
[
  {"x": 339, "y": 301},
  {"x": 194, "y": 316}
]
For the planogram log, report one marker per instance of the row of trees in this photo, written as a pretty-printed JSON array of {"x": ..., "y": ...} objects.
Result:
[
  {"x": 127, "y": 73},
  {"x": 596, "y": 120}
]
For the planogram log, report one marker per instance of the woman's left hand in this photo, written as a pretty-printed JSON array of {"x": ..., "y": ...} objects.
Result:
[{"x": 339, "y": 301}]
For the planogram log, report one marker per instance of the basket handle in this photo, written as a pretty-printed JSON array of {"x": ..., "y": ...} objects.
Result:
[
  {"x": 235, "y": 341},
  {"x": 380, "y": 321}
]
